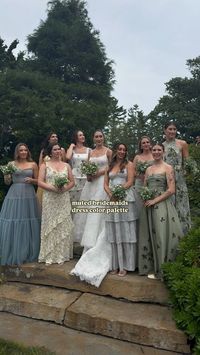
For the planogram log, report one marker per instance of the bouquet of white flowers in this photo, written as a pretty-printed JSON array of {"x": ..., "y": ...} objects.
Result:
[
  {"x": 118, "y": 192},
  {"x": 8, "y": 169},
  {"x": 88, "y": 168},
  {"x": 146, "y": 194},
  {"x": 60, "y": 181}
]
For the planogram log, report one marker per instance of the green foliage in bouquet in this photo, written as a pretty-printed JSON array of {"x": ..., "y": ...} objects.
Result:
[
  {"x": 88, "y": 168},
  {"x": 60, "y": 181},
  {"x": 183, "y": 279},
  {"x": 141, "y": 166},
  {"x": 147, "y": 194},
  {"x": 118, "y": 192}
]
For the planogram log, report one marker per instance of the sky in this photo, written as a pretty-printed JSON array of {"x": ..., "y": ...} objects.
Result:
[{"x": 148, "y": 40}]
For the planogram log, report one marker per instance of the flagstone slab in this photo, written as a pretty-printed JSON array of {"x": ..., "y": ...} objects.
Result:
[
  {"x": 41, "y": 302},
  {"x": 146, "y": 324},
  {"x": 65, "y": 341},
  {"x": 131, "y": 287}
]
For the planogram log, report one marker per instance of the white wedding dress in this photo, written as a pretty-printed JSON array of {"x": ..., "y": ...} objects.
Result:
[{"x": 95, "y": 262}]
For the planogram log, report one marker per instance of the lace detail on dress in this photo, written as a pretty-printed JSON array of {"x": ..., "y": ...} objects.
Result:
[{"x": 56, "y": 230}]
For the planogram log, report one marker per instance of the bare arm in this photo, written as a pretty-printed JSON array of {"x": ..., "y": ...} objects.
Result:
[
  {"x": 70, "y": 151},
  {"x": 41, "y": 158},
  {"x": 106, "y": 184},
  {"x": 34, "y": 179},
  {"x": 134, "y": 166},
  {"x": 185, "y": 150},
  {"x": 130, "y": 177},
  {"x": 42, "y": 179},
  {"x": 63, "y": 155},
  {"x": 71, "y": 183}
]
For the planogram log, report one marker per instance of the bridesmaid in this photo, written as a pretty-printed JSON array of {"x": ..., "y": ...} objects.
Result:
[
  {"x": 20, "y": 216},
  {"x": 120, "y": 228},
  {"x": 76, "y": 154},
  {"x": 176, "y": 151},
  {"x": 52, "y": 138},
  {"x": 142, "y": 161},
  {"x": 159, "y": 226},
  {"x": 56, "y": 229}
]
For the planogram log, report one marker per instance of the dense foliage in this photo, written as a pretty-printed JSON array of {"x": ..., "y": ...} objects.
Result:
[
  {"x": 63, "y": 84},
  {"x": 183, "y": 279}
]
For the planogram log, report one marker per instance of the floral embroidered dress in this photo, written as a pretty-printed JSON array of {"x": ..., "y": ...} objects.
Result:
[
  {"x": 173, "y": 156},
  {"x": 57, "y": 225},
  {"x": 159, "y": 230}
]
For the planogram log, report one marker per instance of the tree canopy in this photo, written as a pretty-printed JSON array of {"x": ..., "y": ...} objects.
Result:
[{"x": 63, "y": 83}]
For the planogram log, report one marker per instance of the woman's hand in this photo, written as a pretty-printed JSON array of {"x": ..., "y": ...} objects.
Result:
[
  {"x": 29, "y": 180},
  {"x": 150, "y": 203},
  {"x": 7, "y": 179}
]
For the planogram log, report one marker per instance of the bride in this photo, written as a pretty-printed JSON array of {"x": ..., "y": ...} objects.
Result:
[
  {"x": 93, "y": 195},
  {"x": 92, "y": 236}
]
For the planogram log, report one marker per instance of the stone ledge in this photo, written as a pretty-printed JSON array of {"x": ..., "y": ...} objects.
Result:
[
  {"x": 145, "y": 324},
  {"x": 65, "y": 341},
  {"x": 132, "y": 287},
  {"x": 47, "y": 303}
]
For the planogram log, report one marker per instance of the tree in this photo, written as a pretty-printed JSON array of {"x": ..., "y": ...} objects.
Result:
[
  {"x": 67, "y": 47},
  {"x": 64, "y": 83},
  {"x": 117, "y": 120},
  {"x": 135, "y": 127},
  {"x": 182, "y": 104}
]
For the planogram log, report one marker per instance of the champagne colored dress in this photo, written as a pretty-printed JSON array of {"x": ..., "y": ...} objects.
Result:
[{"x": 57, "y": 225}]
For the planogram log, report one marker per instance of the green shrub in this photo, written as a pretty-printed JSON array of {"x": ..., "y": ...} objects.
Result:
[
  {"x": 193, "y": 182},
  {"x": 183, "y": 279}
]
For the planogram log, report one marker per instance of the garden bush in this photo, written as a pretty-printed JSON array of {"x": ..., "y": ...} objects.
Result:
[{"x": 183, "y": 280}]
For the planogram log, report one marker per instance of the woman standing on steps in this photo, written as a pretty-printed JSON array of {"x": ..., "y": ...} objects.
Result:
[
  {"x": 94, "y": 263},
  {"x": 142, "y": 161},
  {"x": 159, "y": 225},
  {"x": 52, "y": 138},
  {"x": 88, "y": 226},
  {"x": 176, "y": 153},
  {"x": 76, "y": 154},
  {"x": 56, "y": 229},
  {"x": 20, "y": 214},
  {"x": 120, "y": 228}
]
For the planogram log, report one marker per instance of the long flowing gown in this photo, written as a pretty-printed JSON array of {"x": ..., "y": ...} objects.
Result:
[
  {"x": 80, "y": 179},
  {"x": 121, "y": 227},
  {"x": 159, "y": 230},
  {"x": 95, "y": 262},
  {"x": 173, "y": 156},
  {"x": 88, "y": 223},
  {"x": 20, "y": 222},
  {"x": 57, "y": 225}
]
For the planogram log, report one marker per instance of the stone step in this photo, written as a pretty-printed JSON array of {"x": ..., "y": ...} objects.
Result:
[
  {"x": 65, "y": 341},
  {"x": 131, "y": 287},
  {"x": 41, "y": 302},
  {"x": 145, "y": 324}
]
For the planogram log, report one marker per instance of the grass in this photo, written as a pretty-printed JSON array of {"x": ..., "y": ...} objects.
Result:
[{"x": 12, "y": 348}]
